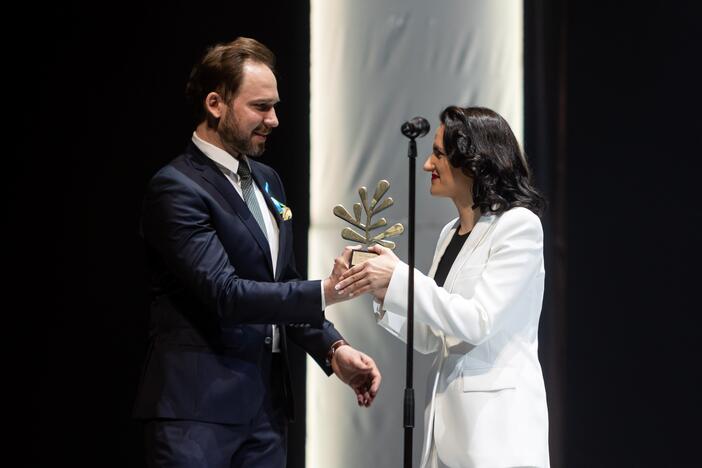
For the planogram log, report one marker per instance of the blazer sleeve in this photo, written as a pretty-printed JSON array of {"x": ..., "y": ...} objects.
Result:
[
  {"x": 516, "y": 256},
  {"x": 176, "y": 223},
  {"x": 426, "y": 340}
]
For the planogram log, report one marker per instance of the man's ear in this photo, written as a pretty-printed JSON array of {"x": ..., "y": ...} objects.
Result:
[{"x": 214, "y": 105}]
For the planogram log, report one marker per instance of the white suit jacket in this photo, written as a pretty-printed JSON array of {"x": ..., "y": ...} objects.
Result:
[{"x": 487, "y": 402}]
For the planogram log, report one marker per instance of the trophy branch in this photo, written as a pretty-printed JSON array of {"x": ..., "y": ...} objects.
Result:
[{"x": 371, "y": 209}]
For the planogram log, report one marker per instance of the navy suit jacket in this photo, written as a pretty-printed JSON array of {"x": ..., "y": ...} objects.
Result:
[{"x": 215, "y": 296}]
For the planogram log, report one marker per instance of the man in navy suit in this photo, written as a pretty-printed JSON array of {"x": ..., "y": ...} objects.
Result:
[{"x": 215, "y": 390}]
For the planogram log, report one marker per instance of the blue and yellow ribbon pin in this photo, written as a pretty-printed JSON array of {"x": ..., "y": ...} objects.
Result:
[{"x": 283, "y": 211}]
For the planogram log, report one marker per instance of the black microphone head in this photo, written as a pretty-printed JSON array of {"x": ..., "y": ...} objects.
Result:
[{"x": 416, "y": 127}]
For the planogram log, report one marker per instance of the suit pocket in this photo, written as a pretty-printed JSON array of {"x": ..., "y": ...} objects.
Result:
[{"x": 489, "y": 379}]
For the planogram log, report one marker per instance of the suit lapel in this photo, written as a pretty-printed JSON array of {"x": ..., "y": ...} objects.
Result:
[
  {"x": 255, "y": 173},
  {"x": 213, "y": 175},
  {"x": 443, "y": 244},
  {"x": 479, "y": 233},
  {"x": 283, "y": 238}
]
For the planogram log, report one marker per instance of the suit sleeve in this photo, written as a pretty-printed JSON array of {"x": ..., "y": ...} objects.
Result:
[
  {"x": 176, "y": 223},
  {"x": 515, "y": 257},
  {"x": 316, "y": 341}
]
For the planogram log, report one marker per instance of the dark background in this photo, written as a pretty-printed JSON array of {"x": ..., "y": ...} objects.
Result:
[
  {"x": 101, "y": 98},
  {"x": 613, "y": 129}
]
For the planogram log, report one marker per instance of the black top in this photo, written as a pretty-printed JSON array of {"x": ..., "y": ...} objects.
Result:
[{"x": 449, "y": 256}]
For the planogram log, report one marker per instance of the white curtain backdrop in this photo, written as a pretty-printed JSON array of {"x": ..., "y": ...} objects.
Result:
[{"x": 375, "y": 64}]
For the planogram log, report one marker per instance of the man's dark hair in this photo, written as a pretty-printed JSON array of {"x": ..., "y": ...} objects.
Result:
[
  {"x": 480, "y": 142},
  {"x": 221, "y": 70}
]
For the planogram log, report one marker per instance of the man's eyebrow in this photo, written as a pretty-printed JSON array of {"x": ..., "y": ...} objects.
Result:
[
  {"x": 272, "y": 102},
  {"x": 437, "y": 150}
]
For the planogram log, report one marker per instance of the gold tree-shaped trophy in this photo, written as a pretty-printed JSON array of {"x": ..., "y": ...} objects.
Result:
[{"x": 371, "y": 208}]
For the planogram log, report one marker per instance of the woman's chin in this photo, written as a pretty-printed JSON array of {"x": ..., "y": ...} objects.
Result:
[{"x": 436, "y": 192}]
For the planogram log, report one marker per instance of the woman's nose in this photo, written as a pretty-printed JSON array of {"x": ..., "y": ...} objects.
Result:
[{"x": 428, "y": 165}]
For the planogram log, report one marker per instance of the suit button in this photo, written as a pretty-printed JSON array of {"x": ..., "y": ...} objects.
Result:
[{"x": 268, "y": 340}]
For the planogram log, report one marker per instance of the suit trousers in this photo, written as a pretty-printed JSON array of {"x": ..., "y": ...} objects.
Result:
[{"x": 261, "y": 442}]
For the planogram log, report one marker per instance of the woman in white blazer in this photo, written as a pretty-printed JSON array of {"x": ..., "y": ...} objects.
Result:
[{"x": 479, "y": 306}]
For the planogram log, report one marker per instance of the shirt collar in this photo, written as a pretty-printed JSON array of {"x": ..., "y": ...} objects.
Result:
[{"x": 222, "y": 158}]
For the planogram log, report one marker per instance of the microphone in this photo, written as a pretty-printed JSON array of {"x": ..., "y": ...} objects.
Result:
[{"x": 416, "y": 127}]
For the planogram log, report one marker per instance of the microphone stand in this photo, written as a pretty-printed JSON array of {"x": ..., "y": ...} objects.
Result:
[
  {"x": 409, "y": 391},
  {"x": 412, "y": 129}
]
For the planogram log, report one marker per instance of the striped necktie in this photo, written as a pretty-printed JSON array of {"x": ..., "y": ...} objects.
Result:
[{"x": 247, "y": 187}]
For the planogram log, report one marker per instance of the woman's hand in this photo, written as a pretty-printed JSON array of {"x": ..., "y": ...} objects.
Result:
[
  {"x": 371, "y": 275},
  {"x": 379, "y": 295}
]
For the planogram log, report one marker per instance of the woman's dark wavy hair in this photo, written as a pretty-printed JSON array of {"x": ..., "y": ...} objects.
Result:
[{"x": 480, "y": 143}]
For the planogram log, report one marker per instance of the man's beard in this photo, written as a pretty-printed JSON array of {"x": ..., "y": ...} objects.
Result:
[{"x": 235, "y": 141}]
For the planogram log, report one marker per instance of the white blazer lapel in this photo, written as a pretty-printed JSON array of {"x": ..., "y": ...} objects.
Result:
[
  {"x": 443, "y": 244},
  {"x": 479, "y": 233}
]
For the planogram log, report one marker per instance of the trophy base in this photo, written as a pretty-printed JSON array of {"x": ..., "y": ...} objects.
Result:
[{"x": 361, "y": 255}]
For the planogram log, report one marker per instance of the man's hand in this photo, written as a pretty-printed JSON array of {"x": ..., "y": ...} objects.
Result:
[
  {"x": 341, "y": 264},
  {"x": 372, "y": 275},
  {"x": 358, "y": 371}
]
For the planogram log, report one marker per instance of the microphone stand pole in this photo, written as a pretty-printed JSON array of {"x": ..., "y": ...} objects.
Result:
[{"x": 409, "y": 391}]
